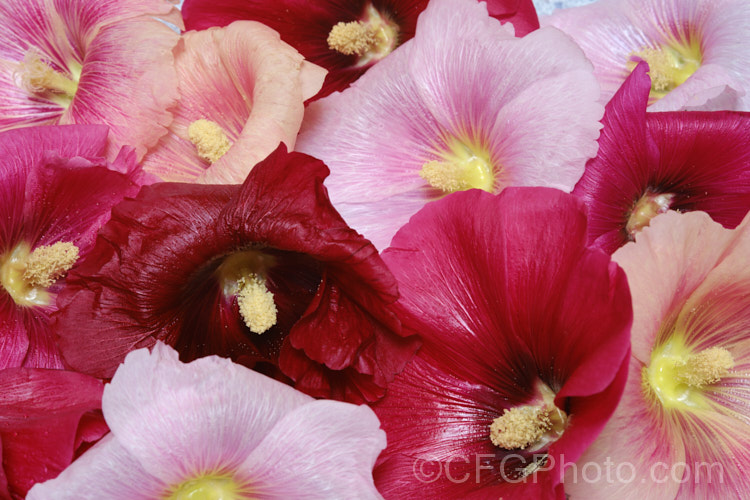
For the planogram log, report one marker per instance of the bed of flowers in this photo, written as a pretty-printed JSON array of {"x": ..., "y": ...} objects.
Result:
[{"x": 374, "y": 249}]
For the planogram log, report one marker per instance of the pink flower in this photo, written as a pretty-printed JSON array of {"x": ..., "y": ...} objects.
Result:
[
  {"x": 649, "y": 163},
  {"x": 182, "y": 431},
  {"x": 56, "y": 190},
  {"x": 476, "y": 109},
  {"x": 86, "y": 62},
  {"x": 697, "y": 49},
  {"x": 241, "y": 93},
  {"x": 682, "y": 428},
  {"x": 526, "y": 342}
]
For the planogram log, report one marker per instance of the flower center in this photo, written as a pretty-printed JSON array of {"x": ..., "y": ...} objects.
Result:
[
  {"x": 678, "y": 376},
  {"x": 39, "y": 78},
  {"x": 371, "y": 38},
  {"x": 242, "y": 275},
  {"x": 26, "y": 275},
  {"x": 461, "y": 166},
  {"x": 209, "y": 139},
  {"x": 210, "y": 487},
  {"x": 531, "y": 426},
  {"x": 649, "y": 206},
  {"x": 669, "y": 65}
]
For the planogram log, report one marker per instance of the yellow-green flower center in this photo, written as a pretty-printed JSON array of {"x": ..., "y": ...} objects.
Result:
[
  {"x": 209, "y": 139},
  {"x": 371, "y": 38},
  {"x": 26, "y": 275},
  {"x": 460, "y": 166},
  {"x": 38, "y": 78},
  {"x": 210, "y": 487},
  {"x": 678, "y": 375},
  {"x": 670, "y": 65},
  {"x": 646, "y": 208}
]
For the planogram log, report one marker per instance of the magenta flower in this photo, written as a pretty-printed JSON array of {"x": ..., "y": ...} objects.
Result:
[
  {"x": 682, "y": 428},
  {"x": 215, "y": 428},
  {"x": 649, "y": 163},
  {"x": 266, "y": 273},
  {"x": 56, "y": 190},
  {"x": 697, "y": 49},
  {"x": 526, "y": 340},
  {"x": 241, "y": 93},
  {"x": 87, "y": 62},
  {"x": 47, "y": 418},
  {"x": 479, "y": 109},
  {"x": 346, "y": 37}
]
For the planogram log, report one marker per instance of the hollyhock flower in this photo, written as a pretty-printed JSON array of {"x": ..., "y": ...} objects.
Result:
[
  {"x": 682, "y": 428},
  {"x": 214, "y": 429},
  {"x": 47, "y": 417},
  {"x": 649, "y": 163},
  {"x": 697, "y": 49},
  {"x": 56, "y": 190},
  {"x": 89, "y": 62},
  {"x": 266, "y": 273},
  {"x": 526, "y": 339},
  {"x": 346, "y": 37},
  {"x": 478, "y": 109},
  {"x": 241, "y": 93}
]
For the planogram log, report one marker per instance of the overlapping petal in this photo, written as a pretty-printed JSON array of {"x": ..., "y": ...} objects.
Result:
[
  {"x": 249, "y": 83},
  {"x": 528, "y": 105}
]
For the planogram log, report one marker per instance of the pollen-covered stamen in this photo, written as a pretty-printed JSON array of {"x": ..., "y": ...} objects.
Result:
[
  {"x": 209, "y": 139},
  {"x": 49, "y": 263},
  {"x": 353, "y": 38},
  {"x": 669, "y": 65},
  {"x": 209, "y": 487},
  {"x": 520, "y": 427},
  {"x": 646, "y": 208},
  {"x": 705, "y": 368},
  {"x": 38, "y": 77},
  {"x": 256, "y": 304},
  {"x": 460, "y": 167}
]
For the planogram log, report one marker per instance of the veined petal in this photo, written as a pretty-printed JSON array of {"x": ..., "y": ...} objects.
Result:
[{"x": 247, "y": 81}]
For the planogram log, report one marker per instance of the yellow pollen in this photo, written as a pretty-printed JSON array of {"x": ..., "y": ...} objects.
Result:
[
  {"x": 49, "y": 263},
  {"x": 210, "y": 487},
  {"x": 705, "y": 368},
  {"x": 209, "y": 139},
  {"x": 256, "y": 304},
  {"x": 460, "y": 167},
  {"x": 353, "y": 38},
  {"x": 37, "y": 77},
  {"x": 649, "y": 206},
  {"x": 519, "y": 427},
  {"x": 669, "y": 65}
]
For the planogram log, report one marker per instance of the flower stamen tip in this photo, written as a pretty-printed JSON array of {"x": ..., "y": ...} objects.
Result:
[
  {"x": 520, "y": 427},
  {"x": 38, "y": 77},
  {"x": 705, "y": 368},
  {"x": 352, "y": 38},
  {"x": 209, "y": 139},
  {"x": 48, "y": 263},
  {"x": 256, "y": 305}
]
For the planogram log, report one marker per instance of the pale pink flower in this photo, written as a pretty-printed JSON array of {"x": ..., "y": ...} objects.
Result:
[
  {"x": 697, "y": 49},
  {"x": 682, "y": 429},
  {"x": 242, "y": 91},
  {"x": 462, "y": 105},
  {"x": 184, "y": 430}
]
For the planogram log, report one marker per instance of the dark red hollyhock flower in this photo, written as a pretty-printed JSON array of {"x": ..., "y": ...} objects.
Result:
[
  {"x": 344, "y": 36},
  {"x": 649, "y": 163},
  {"x": 266, "y": 273},
  {"x": 47, "y": 418},
  {"x": 56, "y": 190},
  {"x": 526, "y": 336}
]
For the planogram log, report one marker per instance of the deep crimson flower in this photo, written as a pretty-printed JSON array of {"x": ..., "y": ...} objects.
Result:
[
  {"x": 306, "y": 26},
  {"x": 47, "y": 417},
  {"x": 649, "y": 163},
  {"x": 526, "y": 337},
  {"x": 56, "y": 190},
  {"x": 266, "y": 273}
]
